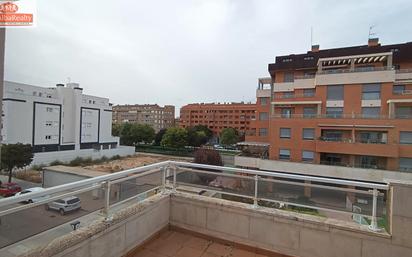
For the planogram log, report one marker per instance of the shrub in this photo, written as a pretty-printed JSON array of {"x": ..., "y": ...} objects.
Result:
[
  {"x": 115, "y": 157},
  {"x": 76, "y": 161},
  {"x": 208, "y": 156},
  {"x": 56, "y": 162}
]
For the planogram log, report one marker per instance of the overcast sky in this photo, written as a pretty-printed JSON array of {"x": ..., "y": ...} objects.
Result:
[{"x": 180, "y": 52}]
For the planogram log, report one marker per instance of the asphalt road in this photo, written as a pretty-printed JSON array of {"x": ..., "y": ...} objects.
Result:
[{"x": 23, "y": 224}]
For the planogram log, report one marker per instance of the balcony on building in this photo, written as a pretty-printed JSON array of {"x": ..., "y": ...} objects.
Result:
[
  {"x": 264, "y": 87},
  {"x": 355, "y": 69},
  {"x": 356, "y": 141}
]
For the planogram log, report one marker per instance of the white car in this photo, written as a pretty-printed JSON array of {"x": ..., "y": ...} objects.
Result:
[
  {"x": 64, "y": 205},
  {"x": 31, "y": 190}
]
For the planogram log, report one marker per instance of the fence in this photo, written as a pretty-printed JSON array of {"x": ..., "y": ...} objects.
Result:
[{"x": 362, "y": 202}]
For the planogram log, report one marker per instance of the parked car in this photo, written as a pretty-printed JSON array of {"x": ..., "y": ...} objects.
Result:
[
  {"x": 64, "y": 205},
  {"x": 9, "y": 189},
  {"x": 31, "y": 190}
]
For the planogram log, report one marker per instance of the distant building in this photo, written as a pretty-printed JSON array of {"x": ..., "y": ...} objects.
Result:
[
  {"x": 348, "y": 106},
  {"x": 59, "y": 120},
  {"x": 152, "y": 114},
  {"x": 217, "y": 116}
]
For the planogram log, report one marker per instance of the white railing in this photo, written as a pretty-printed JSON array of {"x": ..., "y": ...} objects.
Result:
[{"x": 175, "y": 174}]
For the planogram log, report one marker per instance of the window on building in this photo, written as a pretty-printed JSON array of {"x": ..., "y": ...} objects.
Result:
[
  {"x": 309, "y": 112},
  {"x": 309, "y": 92},
  {"x": 308, "y": 133},
  {"x": 286, "y": 112},
  {"x": 398, "y": 89},
  {"x": 288, "y": 94},
  {"x": 403, "y": 112},
  {"x": 263, "y": 132},
  {"x": 371, "y": 112},
  {"x": 405, "y": 137},
  {"x": 284, "y": 132},
  {"x": 371, "y": 92},
  {"x": 287, "y": 60},
  {"x": 335, "y": 92},
  {"x": 308, "y": 156},
  {"x": 308, "y": 58},
  {"x": 288, "y": 77},
  {"x": 334, "y": 112},
  {"x": 284, "y": 154},
  {"x": 49, "y": 109},
  {"x": 405, "y": 164},
  {"x": 48, "y": 137},
  {"x": 264, "y": 101},
  {"x": 263, "y": 116}
]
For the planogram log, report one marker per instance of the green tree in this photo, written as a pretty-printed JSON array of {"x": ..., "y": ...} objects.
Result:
[
  {"x": 159, "y": 136},
  {"x": 116, "y": 128},
  {"x": 198, "y": 135},
  {"x": 142, "y": 133},
  {"x": 126, "y": 134},
  {"x": 16, "y": 156},
  {"x": 229, "y": 136},
  {"x": 175, "y": 137}
]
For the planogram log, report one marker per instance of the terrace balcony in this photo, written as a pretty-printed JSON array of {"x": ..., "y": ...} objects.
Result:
[
  {"x": 185, "y": 209},
  {"x": 373, "y": 148}
]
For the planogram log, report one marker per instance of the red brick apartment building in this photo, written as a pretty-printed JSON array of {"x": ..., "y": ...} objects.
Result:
[
  {"x": 218, "y": 116},
  {"x": 348, "y": 106}
]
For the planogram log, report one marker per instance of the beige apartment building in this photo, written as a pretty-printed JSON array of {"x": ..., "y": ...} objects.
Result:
[{"x": 152, "y": 114}]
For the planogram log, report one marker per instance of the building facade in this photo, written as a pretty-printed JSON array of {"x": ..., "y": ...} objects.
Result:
[
  {"x": 60, "y": 118},
  {"x": 347, "y": 106},
  {"x": 217, "y": 116},
  {"x": 152, "y": 114}
]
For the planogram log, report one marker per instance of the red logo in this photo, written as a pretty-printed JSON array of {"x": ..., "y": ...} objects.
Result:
[{"x": 8, "y": 7}]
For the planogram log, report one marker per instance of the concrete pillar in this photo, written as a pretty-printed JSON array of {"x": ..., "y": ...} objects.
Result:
[
  {"x": 352, "y": 64},
  {"x": 391, "y": 110},
  {"x": 320, "y": 67},
  {"x": 389, "y": 62},
  {"x": 400, "y": 212},
  {"x": 319, "y": 109},
  {"x": 307, "y": 190}
]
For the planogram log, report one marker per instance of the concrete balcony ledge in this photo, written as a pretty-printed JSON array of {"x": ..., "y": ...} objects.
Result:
[
  {"x": 355, "y": 77},
  {"x": 282, "y": 216},
  {"x": 272, "y": 230},
  {"x": 383, "y": 150}
]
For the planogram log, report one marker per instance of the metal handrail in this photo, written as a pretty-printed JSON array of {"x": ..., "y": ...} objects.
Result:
[
  {"x": 357, "y": 69},
  {"x": 404, "y": 71},
  {"x": 168, "y": 168},
  {"x": 338, "y": 116}
]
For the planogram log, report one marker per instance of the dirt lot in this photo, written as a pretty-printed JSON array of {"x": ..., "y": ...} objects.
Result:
[{"x": 131, "y": 162}]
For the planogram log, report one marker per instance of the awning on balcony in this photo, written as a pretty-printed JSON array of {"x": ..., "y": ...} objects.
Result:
[{"x": 356, "y": 59}]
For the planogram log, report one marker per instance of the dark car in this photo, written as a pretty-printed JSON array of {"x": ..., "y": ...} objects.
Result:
[{"x": 9, "y": 189}]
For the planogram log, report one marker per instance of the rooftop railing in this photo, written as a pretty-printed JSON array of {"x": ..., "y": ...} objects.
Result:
[
  {"x": 353, "y": 200},
  {"x": 357, "y": 69},
  {"x": 338, "y": 116},
  {"x": 404, "y": 71},
  {"x": 288, "y": 96}
]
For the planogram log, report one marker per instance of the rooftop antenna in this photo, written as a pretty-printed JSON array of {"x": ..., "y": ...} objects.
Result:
[
  {"x": 371, "y": 33},
  {"x": 311, "y": 36}
]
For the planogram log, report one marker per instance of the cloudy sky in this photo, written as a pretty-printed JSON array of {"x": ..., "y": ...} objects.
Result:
[{"x": 179, "y": 52}]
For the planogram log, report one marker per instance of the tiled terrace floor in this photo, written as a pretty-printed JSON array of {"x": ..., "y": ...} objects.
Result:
[{"x": 177, "y": 244}]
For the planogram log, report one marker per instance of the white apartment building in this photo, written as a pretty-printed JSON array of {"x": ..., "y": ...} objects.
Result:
[{"x": 60, "y": 119}]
